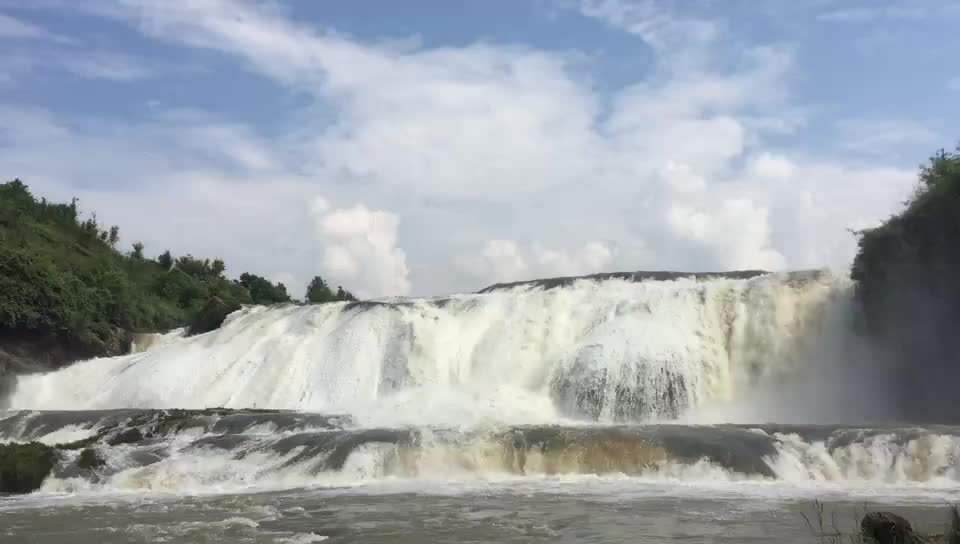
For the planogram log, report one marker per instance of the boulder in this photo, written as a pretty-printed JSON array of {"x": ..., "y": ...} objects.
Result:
[
  {"x": 23, "y": 467},
  {"x": 887, "y": 528},
  {"x": 126, "y": 436},
  {"x": 89, "y": 460}
]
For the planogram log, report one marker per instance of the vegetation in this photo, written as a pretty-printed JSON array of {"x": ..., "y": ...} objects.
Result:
[
  {"x": 63, "y": 278},
  {"x": 262, "y": 291},
  {"x": 908, "y": 284},
  {"x": 318, "y": 292},
  {"x": 23, "y": 467}
]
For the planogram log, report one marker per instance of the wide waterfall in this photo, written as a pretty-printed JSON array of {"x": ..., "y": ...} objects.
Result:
[
  {"x": 613, "y": 351},
  {"x": 747, "y": 376}
]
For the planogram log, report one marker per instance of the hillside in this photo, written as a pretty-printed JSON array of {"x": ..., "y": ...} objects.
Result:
[
  {"x": 67, "y": 293},
  {"x": 908, "y": 284}
]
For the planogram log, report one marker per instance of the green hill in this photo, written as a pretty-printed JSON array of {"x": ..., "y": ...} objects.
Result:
[{"x": 67, "y": 293}]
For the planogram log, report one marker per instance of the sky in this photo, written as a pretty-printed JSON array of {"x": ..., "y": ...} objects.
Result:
[{"x": 434, "y": 146}]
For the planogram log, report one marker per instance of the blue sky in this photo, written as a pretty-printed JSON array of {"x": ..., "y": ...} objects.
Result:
[{"x": 430, "y": 146}]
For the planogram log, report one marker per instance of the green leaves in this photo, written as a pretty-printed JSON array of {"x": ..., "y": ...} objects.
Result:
[
  {"x": 262, "y": 291},
  {"x": 319, "y": 292},
  {"x": 61, "y": 274}
]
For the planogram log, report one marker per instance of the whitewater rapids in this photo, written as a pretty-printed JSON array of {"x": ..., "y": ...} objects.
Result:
[{"x": 606, "y": 351}]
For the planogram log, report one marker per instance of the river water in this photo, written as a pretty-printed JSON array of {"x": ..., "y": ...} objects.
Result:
[{"x": 532, "y": 510}]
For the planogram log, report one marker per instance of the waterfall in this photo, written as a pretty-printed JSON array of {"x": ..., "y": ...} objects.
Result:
[{"x": 610, "y": 350}]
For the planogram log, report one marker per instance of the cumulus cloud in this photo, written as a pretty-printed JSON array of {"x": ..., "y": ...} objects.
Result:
[
  {"x": 503, "y": 162},
  {"x": 736, "y": 230},
  {"x": 506, "y": 261},
  {"x": 360, "y": 249}
]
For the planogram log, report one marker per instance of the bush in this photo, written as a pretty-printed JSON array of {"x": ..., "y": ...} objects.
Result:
[
  {"x": 262, "y": 291},
  {"x": 319, "y": 292}
]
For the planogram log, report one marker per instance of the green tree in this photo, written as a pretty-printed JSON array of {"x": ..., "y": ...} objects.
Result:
[
  {"x": 344, "y": 295},
  {"x": 114, "y": 236},
  {"x": 165, "y": 260},
  {"x": 318, "y": 291},
  {"x": 262, "y": 291},
  {"x": 218, "y": 268},
  {"x": 137, "y": 252}
]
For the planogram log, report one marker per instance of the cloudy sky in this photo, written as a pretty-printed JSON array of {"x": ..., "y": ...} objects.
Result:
[{"x": 429, "y": 146}]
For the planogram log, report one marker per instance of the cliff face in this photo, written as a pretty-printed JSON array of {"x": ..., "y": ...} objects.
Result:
[{"x": 908, "y": 284}]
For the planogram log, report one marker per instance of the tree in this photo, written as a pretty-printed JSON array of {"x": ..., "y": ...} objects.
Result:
[
  {"x": 318, "y": 291},
  {"x": 137, "y": 252},
  {"x": 217, "y": 268},
  {"x": 114, "y": 236},
  {"x": 16, "y": 194},
  {"x": 165, "y": 260},
  {"x": 196, "y": 268},
  {"x": 262, "y": 291},
  {"x": 344, "y": 295}
]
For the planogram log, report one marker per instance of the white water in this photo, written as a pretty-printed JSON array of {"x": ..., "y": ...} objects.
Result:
[
  {"x": 774, "y": 348},
  {"x": 877, "y": 464},
  {"x": 604, "y": 351}
]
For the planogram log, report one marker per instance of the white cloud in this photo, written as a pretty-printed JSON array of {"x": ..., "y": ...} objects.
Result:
[
  {"x": 880, "y": 136},
  {"x": 506, "y": 260},
  {"x": 87, "y": 64},
  {"x": 880, "y": 13},
  {"x": 737, "y": 230},
  {"x": 771, "y": 167},
  {"x": 15, "y": 29},
  {"x": 109, "y": 66},
  {"x": 506, "y": 157},
  {"x": 360, "y": 249},
  {"x": 654, "y": 22}
]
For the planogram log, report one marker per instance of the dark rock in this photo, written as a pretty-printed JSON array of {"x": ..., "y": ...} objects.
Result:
[
  {"x": 887, "y": 528},
  {"x": 953, "y": 536},
  {"x": 553, "y": 283},
  {"x": 126, "y": 436},
  {"x": 89, "y": 459},
  {"x": 23, "y": 467},
  {"x": 212, "y": 315}
]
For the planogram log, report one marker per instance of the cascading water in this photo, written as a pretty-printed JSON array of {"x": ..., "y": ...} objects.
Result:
[
  {"x": 582, "y": 377},
  {"x": 604, "y": 351}
]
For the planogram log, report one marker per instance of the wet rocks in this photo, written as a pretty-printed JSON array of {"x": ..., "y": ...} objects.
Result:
[
  {"x": 23, "y": 467},
  {"x": 888, "y": 528},
  {"x": 126, "y": 436},
  {"x": 89, "y": 459}
]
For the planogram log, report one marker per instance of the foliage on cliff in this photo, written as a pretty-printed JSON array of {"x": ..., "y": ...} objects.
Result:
[
  {"x": 908, "y": 283},
  {"x": 62, "y": 276}
]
